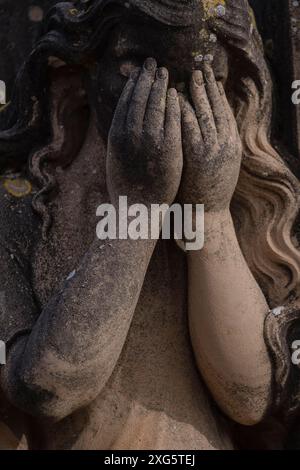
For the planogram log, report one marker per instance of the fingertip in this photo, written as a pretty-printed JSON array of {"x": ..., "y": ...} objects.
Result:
[
  {"x": 172, "y": 93},
  {"x": 197, "y": 78},
  {"x": 162, "y": 73},
  {"x": 150, "y": 64}
]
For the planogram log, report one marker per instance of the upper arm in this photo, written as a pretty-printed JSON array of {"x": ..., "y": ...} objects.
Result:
[{"x": 18, "y": 312}]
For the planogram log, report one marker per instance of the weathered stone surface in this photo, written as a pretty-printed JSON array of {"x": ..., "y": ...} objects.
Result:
[{"x": 110, "y": 342}]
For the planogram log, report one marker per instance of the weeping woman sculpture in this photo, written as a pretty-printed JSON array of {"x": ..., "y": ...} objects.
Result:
[{"x": 136, "y": 344}]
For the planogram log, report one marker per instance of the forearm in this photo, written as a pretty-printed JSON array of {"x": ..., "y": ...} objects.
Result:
[
  {"x": 226, "y": 312},
  {"x": 77, "y": 340}
]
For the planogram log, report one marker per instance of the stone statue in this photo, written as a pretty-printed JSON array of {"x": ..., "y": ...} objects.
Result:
[{"x": 135, "y": 344}]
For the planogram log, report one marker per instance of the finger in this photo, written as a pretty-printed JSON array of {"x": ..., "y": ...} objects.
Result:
[
  {"x": 140, "y": 96},
  {"x": 121, "y": 110},
  {"x": 232, "y": 125},
  {"x": 156, "y": 108},
  {"x": 202, "y": 107},
  {"x": 173, "y": 119},
  {"x": 216, "y": 102},
  {"x": 191, "y": 132}
]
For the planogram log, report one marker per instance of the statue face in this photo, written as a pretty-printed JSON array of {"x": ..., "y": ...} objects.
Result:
[{"x": 180, "y": 50}]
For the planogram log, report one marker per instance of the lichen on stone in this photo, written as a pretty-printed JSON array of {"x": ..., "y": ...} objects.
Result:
[
  {"x": 210, "y": 7},
  {"x": 73, "y": 11},
  {"x": 17, "y": 187}
]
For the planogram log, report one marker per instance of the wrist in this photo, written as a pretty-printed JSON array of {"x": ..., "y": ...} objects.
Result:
[
  {"x": 214, "y": 230},
  {"x": 125, "y": 224},
  {"x": 215, "y": 221}
]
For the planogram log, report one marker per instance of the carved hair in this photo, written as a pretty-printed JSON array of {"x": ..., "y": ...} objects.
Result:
[
  {"x": 266, "y": 201},
  {"x": 267, "y": 197},
  {"x": 265, "y": 208}
]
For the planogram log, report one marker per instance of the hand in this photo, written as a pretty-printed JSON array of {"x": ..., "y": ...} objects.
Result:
[
  {"x": 145, "y": 159},
  {"x": 211, "y": 145}
]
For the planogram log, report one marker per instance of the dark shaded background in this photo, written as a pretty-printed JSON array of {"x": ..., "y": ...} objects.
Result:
[
  {"x": 20, "y": 26},
  {"x": 17, "y": 34},
  {"x": 274, "y": 22}
]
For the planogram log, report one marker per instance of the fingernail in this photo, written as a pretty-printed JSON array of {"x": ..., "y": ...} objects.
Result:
[
  {"x": 150, "y": 64},
  {"x": 162, "y": 73},
  {"x": 198, "y": 77},
  {"x": 172, "y": 93}
]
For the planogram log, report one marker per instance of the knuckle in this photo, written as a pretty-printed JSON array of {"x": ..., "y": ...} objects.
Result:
[
  {"x": 135, "y": 105},
  {"x": 153, "y": 142},
  {"x": 193, "y": 147},
  {"x": 157, "y": 109},
  {"x": 211, "y": 141}
]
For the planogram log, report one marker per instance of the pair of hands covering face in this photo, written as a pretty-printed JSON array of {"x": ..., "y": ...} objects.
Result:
[{"x": 163, "y": 145}]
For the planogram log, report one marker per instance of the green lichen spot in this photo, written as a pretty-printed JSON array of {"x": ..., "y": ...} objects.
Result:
[
  {"x": 210, "y": 6},
  {"x": 73, "y": 11},
  {"x": 253, "y": 19},
  {"x": 203, "y": 34},
  {"x": 17, "y": 187}
]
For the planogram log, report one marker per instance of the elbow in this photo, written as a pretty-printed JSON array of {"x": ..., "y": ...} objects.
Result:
[
  {"x": 47, "y": 389},
  {"x": 44, "y": 397},
  {"x": 246, "y": 406},
  {"x": 246, "y": 416},
  {"x": 40, "y": 402}
]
